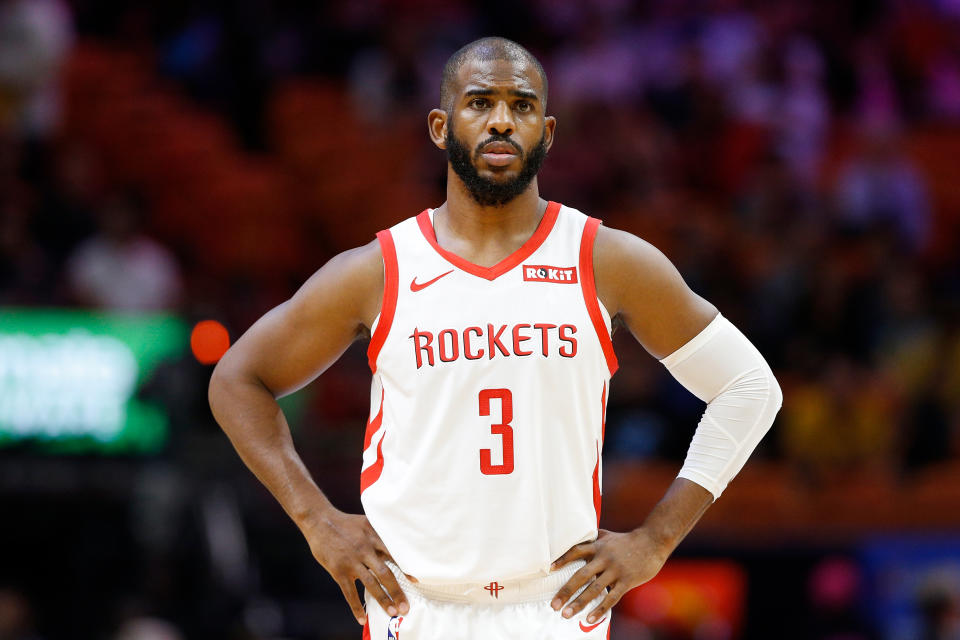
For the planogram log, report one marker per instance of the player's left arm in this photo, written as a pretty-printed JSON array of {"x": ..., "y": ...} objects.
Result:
[{"x": 713, "y": 360}]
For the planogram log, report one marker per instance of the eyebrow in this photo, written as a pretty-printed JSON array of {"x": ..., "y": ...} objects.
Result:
[{"x": 519, "y": 93}]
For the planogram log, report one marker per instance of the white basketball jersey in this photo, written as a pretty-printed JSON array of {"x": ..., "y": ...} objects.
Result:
[{"x": 482, "y": 455}]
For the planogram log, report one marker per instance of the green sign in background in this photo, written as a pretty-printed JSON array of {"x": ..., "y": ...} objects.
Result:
[{"x": 68, "y": 379}]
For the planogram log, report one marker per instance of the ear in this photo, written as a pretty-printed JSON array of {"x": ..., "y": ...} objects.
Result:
[
  {"x": 549, "y": 128},
  {"x": 437, "y": 127}
]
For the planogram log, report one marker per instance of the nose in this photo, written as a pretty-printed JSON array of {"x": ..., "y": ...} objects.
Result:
[{"x": 501, "y": 119}]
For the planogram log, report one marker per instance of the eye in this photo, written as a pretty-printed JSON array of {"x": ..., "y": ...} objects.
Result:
[
  {"x": 524, "y": 107},
  {"x": 479, "y": 103}
]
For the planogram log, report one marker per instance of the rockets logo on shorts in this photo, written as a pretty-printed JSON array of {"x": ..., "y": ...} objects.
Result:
[
  {"x": 393, "y": 628},
  {"x": 546, "y": 273}
]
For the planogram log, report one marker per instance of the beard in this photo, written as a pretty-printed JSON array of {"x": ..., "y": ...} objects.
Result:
[{"x": 485, "y": 191}]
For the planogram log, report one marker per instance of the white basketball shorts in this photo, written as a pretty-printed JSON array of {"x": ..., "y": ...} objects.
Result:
[{"x": 518, "y": 610}]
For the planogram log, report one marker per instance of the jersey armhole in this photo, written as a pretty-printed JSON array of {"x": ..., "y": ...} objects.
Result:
[
  {"x": 589, "y": 288},
  {"x": 388, "y": 307}
]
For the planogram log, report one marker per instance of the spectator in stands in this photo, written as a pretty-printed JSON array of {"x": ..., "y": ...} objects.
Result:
[
  {"x": 882, "y": 188},
  {"x": 877, "y": 100},
  {"x": 148, "y": 629},
  {"x": 395, "y": 79},
  {"x": 119, "y": 268},
  {"x": 26, "y": 272},
  {"x": 35, "y": 36},
  {"x": 943, "y": 86},
  {"x": 804, "y": 113},
  {"x": 67, "y": 197},
  {"x": 840, "y": 422}
]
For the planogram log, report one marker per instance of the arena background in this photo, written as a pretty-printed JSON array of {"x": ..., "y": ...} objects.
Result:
[{"x": 164, "y": 163}]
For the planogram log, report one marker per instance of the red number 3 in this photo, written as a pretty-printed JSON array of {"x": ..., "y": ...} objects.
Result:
[{"x": 503, "y": 429}]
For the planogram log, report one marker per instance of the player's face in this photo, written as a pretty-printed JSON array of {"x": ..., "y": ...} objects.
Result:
[{"x": 497, "y": 134}]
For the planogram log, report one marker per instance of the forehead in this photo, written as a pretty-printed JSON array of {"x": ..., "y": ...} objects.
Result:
[{"x": 499, "y": 74}]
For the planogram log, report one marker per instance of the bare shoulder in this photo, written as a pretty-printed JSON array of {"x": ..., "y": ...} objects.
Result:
[
  {"x": 618, "y": 254},
  {"x": 638, "y": 283},
  {"x": 628, "y": 267}
]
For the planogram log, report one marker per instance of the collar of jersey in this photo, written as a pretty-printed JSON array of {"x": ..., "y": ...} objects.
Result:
[{"x": 491, "y": 273}]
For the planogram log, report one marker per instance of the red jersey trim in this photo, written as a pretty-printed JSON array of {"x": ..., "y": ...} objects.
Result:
[
  {"x": 373, "y": 425},
  {"x": 589, "y": 288},
  {"x": 597, "y": 498},
  {"x": 508, "y": 263},
  {"x": 603, "y": 414},
  {"x": 391, "y": 279},
  {"x": 372, "y": 473},
  {"x": 596, "y": 485}
]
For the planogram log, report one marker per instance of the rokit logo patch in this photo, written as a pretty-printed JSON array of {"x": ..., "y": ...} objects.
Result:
[{"x": 546, "y": 273}]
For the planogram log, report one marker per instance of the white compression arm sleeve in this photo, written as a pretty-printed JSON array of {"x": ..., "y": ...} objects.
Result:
[{"x": 722, "y": 368}]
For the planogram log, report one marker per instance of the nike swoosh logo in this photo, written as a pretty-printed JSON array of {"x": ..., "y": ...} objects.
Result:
[
  {"x": 586, "y": 628},
  {"x": 414, "y": 286}
]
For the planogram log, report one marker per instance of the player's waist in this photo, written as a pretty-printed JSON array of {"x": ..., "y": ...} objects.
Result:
[{"x": 521, "y": 590}]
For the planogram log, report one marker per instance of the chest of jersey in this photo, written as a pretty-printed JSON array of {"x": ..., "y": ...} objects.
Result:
[
  {"x": 461, "y": 321},
  {"x": 488, "y": 394}
]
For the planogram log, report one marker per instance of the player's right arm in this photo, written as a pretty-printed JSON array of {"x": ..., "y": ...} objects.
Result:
[{"x": 282, "y": 352}]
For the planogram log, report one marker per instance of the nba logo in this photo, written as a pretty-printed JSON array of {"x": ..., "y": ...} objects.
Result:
[{"x": 393, "y": 628}]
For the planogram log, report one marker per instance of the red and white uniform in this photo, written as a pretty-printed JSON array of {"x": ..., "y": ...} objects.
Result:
[{"x": 482, "y": 455}]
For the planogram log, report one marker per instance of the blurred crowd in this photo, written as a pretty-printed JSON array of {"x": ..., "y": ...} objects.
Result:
[
  {"x": 787, "y": 156},
  {"x": 774, "y": 151}
]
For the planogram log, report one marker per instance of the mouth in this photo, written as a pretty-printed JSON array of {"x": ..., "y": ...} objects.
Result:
[{"x": 499, "y": 154}]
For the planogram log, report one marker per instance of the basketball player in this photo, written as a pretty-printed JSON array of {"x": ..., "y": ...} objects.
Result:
[{"x": 489, "y": 320}]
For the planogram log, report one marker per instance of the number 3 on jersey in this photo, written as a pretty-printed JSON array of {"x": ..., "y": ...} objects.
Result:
[{"x": 502, "y": 429}]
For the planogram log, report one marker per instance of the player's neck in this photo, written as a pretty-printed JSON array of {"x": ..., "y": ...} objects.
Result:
[{"x": 463, "y": 218}]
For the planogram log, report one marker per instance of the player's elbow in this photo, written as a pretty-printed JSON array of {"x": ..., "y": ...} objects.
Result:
[
  {"x": 774, "y": 393},
  {"x": 217, "y": 388},
  {"x": 771, "y": 404},
  {"x": 224, "y": 384}
]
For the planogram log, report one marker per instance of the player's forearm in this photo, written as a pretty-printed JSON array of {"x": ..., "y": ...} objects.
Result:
[
  {"x": 250, "y": 416},
  {"x": 721, "y": 367},
  {"x": 676, "y": 514}
]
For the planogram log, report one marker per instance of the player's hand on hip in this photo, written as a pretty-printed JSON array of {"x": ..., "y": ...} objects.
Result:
[
  {"x": 350, "y": 550},
  {"x": 620, "y": 561}
]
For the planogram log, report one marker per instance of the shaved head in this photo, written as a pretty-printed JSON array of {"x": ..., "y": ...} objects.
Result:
[{"x": 484, "y": 50}]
